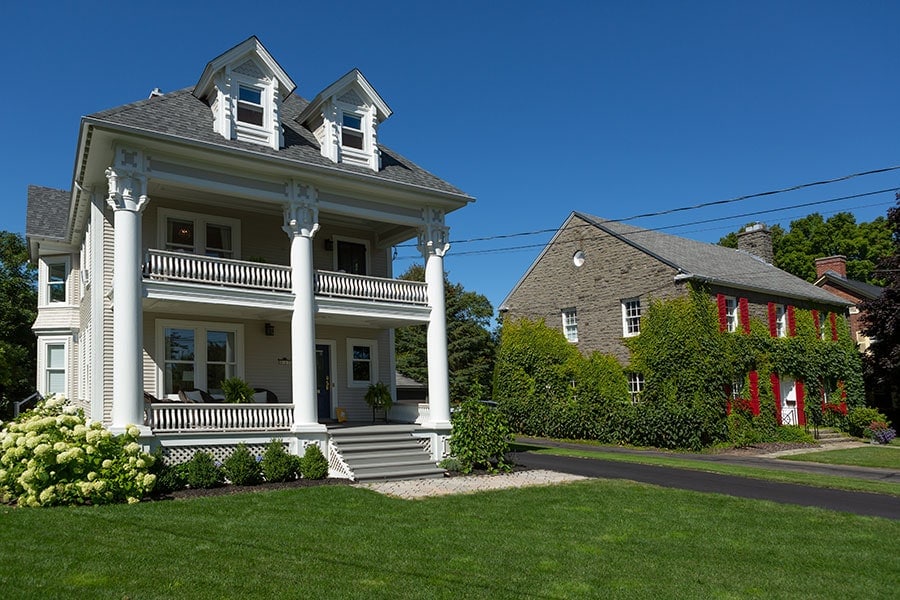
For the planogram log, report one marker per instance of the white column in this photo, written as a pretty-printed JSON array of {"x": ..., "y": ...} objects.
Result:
[
  {"x": 301, "y": 223},
  {"x": 127, "y": 197},
  {"x": 433, "y": 245}
]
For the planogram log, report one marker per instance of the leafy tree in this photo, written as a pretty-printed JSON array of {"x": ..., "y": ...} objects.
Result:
[
  {"x": 18, "y": 309},
  {"x": 882, "y": 319},
  {"x": 812, "y": 237},
  {"x": 470, "y": 341}
]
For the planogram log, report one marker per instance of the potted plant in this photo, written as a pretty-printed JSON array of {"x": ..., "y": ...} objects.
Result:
[
  {"x": 237, "y": 391},
  {"x": 378, "y": 396}
]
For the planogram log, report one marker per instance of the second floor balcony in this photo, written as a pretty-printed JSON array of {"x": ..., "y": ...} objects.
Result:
[{"x": 337, "y": 292}]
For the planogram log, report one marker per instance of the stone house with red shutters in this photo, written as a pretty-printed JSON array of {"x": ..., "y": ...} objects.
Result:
[{"x": 595, "y": 277}]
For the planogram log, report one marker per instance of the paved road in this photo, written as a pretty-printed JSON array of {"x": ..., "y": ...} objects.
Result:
[{"x": 861, "y": 503}]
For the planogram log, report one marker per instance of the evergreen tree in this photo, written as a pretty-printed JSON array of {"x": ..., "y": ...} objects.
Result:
[
  {"x": 18, "y": 309},
  {"x": 470, "y": 341}
]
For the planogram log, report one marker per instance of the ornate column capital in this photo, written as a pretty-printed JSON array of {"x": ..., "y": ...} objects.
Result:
[
  {"x": 301, "y": 213},
  {"x": 434, "y": 236},
  {"x": 127, "y": 179}
]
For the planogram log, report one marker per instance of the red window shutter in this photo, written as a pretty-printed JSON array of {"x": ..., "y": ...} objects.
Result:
[
  {"x": 754, "y": 392},
  {"x": 833, "y": 318},
  {"x": 745, "y": 315},
  {"x": 792, "y": 321},
  {"x": 776, "y": 391},
  {"x": 773, "y": 331},
  {"x": 720, "y": 301},
  {"x": 815, "y": 316},
  {"x": 801, "y": 396}
]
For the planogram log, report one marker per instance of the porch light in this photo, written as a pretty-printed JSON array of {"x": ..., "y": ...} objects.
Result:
[{"x": 270, "y": 329}]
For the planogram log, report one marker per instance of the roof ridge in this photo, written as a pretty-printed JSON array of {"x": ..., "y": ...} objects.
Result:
[{"x": 116, "y": 110}]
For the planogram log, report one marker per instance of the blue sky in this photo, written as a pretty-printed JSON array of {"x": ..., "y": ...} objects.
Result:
[{"x": 536, "y": 109}]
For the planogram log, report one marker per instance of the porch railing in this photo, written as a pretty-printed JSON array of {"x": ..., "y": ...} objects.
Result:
[
  {"x": 195, "y": 268},
  {"x": 362, "y": 287},
  {"x": 178, "y": 418},
  {"x": 162, "y": 265}
]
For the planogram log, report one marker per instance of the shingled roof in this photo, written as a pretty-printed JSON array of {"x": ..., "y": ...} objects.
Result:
[
  {"x": 47, "y": 213},
  {"x": 181, "y": 114},
  {"x": 858, "y": 288},
  {"x": 700, "y": 261}
]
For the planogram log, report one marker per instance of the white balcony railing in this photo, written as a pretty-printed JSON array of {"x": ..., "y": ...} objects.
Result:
[
  {"x": 362, "y": 287},
  {"x": 162, "y": 265},
  {"x": 178, "y": 417},
  {"x": 195, "y": 268}
]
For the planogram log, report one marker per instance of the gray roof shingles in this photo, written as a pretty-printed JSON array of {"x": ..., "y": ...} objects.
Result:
[
  {"x": 860, "y": 288},
  {"x": 47, "y": 213},
  {"x": 725, "y": 266},
  {"x": 183, "y": 115}
]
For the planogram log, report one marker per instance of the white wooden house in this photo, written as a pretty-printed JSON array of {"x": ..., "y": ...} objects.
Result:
[{"x": 235, "y": 229}]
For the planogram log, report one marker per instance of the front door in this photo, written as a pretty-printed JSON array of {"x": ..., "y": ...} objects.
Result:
[
  {"x": 323, "y": 381},
  {"x": 788, "y": 402}
]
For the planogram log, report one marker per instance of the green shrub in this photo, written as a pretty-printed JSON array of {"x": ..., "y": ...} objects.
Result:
[
  {"x": 313, "y": 464},
  {"x": 202, "y": 472},
  {"x": 241, "y": 467},
  {"x": 791, "y": 434},
  {"x": 480, "y": 437},
  {"x": 237, "y": 391},
  {"x": 860, "y": 418},
  {"x": 51, "y": 456},
  {"x": 169, "y": 478},
  {"x": 450, "y": 464},
  {"x": 277, "y": 464}
]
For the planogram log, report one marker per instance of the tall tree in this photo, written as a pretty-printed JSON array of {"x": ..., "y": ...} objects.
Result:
[
  {"x": 812, "y": 237},
  {"x": 470, "y": 342},
  {"x": 18, "y": 309},
  {"x": 882, "y": 320}
]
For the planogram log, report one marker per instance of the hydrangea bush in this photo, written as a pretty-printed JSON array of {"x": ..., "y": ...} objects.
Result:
[{"x": 51, "y": 456}]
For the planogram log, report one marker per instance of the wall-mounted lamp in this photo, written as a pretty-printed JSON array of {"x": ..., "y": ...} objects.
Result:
[
  {"x": 270, "y": 329},
  {"x": 284, "y": 360}
]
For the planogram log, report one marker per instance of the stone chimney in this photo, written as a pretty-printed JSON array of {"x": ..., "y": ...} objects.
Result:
[
  {"x": 838, "y": 264},
  {"x": 756, "y": 239}
]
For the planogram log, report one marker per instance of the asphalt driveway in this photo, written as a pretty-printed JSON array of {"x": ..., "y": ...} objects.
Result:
[{"x": 861, "y": 503}]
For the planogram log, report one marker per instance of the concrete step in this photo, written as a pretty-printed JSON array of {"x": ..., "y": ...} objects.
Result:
[
  {"x": 398, "y": 472},
  {"x": 352, "y": 448},
  {"x": 384, "y": 452}
]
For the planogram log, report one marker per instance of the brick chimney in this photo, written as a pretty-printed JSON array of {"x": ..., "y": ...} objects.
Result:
[
  {"x": 838, "y": 264},
  {"x": 756, "y": 239}
]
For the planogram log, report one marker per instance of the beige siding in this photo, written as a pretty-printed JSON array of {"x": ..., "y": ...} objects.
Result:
[{"x": 106, "y": 286}]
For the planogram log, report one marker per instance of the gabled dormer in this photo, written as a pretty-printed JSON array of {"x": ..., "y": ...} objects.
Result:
[
  {"x": 244, "y": 88},
  {"x": 344, "y": 118}
]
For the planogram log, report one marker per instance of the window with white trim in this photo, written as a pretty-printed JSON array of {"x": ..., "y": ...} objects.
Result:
[
  {"x": 54, "y": 275},
  {"x": 737, "y": 388},
  {"x": 362, "y": 361},
  {"x": 199, "y": 234},
  {"x": 570, "y": 324},
  {"x": 198, "y": 355},
  {"x": 635, "y": 386},
  {"x": 52, "y": 359},
  {"x": 780, "y": 320},
  {"x": 250, "y": 105},
  {"x": 352, "y": 135},
  {"x": 351, "y": 256},
  {"x": 631, "y": 317},
  {"x": 732, "y": 318}
]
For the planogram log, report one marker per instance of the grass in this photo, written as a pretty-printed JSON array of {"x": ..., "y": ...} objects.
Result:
[
  {"x": 593, "y": 539},
  {"x": 867, "y": 456},
  {"x": 826, "y": 481}
]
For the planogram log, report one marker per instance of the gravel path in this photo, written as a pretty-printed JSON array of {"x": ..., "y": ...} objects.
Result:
[{"x": 413, "y": 489}]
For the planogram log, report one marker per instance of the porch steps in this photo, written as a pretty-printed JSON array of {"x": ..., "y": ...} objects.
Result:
[
  {"x": 384, "y": 452},
  {"x": 828, "y": 435}
]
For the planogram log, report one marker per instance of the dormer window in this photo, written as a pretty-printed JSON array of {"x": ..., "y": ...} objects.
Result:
[
  {"x": 352, "y": 135},
  {"x": 250, "y": 106}
]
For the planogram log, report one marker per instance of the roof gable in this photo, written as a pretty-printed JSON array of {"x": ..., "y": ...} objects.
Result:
[
  {"x": 345, "y": 89},
  {"x": 250, "y": 58}
]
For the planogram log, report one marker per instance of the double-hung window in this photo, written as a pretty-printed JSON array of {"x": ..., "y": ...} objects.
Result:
[
  {"x": 352, "y": 135},
  {"x": 570, "y": 324},
  {"x": 362, "y": 358},
  {"x": 200, "y": 234},
  {"x": 54, "y": 275},
  {"x": 199, "y": 355},
  {"x": 635, "y": 386},
  {"x": 732, "y": 318},
  {"x": 631, "y": 317},
  {"x": 250, "y": 105},
  {"x": 780, "y": 320}
]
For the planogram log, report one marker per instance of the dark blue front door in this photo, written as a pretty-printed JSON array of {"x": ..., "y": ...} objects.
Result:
[{"x": 323, "y": 381}]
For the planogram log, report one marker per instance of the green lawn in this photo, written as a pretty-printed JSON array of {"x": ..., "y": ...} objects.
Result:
[
  {"x": 867, "y": 456},
  {"x": 827, "y": 481},
  {"x": 593, "y": 539}
]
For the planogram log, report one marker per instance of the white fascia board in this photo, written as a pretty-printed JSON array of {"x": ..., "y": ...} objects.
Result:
[
  {"x": 396, "y": 315},
  {"x": 683, "y": 277},
  {"x": 208, "y": 294},
  {"x": 534, "y": 263},
  {"x": 354, "y": 76}
]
